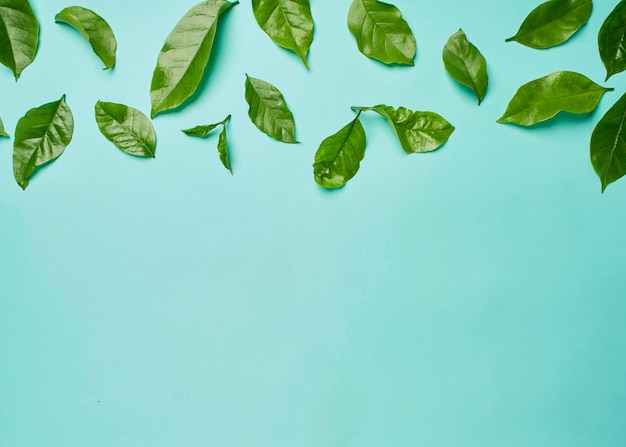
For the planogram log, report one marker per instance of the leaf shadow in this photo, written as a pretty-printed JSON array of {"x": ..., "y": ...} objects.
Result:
[
  {"x": 466, "y": 91},
  {"x": 564, "y": 119}
]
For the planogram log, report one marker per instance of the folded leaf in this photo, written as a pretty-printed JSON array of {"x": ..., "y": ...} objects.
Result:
[
  {"x": 465, "y": 64},
  {"x": 93, "y": 28},
  {"x": 222, "y": 144},
  {"x": 288, "y": 23},
  {"x": 2, "y": 132},
  {"x": 201, "y": 131},
  {"x": 612, "y": 41},
  {"x": 41, "y": 136},
  {"x": 543, "y": 98},
  {"x": 608, "y": 144},
  {"x": 127, "y": 128},
  {"x": 381, "y": 32},
  {"x": 19, "y": 35}
]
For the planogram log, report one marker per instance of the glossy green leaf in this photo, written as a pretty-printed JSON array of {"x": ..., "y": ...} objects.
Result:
[
  {"x": 288, "y": 23},
  {"x": 127, "y": 128},
  {"x": 381, "y": 33},
  {"x": 222, "y": 144},
  {"x": 201, "y": 131},
  {"x": 465, "y": 64},
  {"x": 612, "y": 40},
  {"x": 93, "y": 28},
  {"x": 19, "y": 35},
  {"x": 543, "y": 98},
  {"x": 552, "y": 23},
  {"x": 268, "y": 110},
  {"x": 608, "y": 144},
  {"x": 2, "y": 132},
  {"x": 185, "y": 55},
  {"x": 338, "y": 158},
  {"x": 41, "y": 136}
]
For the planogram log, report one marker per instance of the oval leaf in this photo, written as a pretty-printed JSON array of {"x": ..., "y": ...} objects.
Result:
[
  {"x": 338, "y": 158},
  {"x": 2, "y": 132},
  {"x": 543, "y": 98},
  {"x": 612, "y": 40},
  {"x": 41, "y": 136},
  {"x": 185, "y": 54},
  {"x": 268, "y": 110},
  {"x": 608, "y": 144},
  {"x": 93, "y": 28},
  {"x": 465, "y": 64},
  {"x": 552, "y": 23},
  {"x": 381, "y": 32},
  {"x": 222, "y": 144},
  {"x": 289, "y": 23},
  {"x": 19, "y": 35},
  {"x": 127, "y": 128}
]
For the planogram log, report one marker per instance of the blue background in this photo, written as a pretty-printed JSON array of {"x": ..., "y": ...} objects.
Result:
[{"x": 474, "y": 296}]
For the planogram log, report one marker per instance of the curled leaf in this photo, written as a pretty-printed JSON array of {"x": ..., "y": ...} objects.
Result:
[
  {"x": 465, "y": 64},
  {"x": 127, "y": 128},
  {"x": 222, "y": 144},
  {"x": 2, "y": 132},
  {"x": 19, "y": 35},
  {"x": 612, "y": 41},
  {"x": 608, "y": 144}
]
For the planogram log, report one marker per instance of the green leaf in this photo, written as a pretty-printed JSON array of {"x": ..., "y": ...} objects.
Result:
[
  {"x": 288, "y": 23},
  {"x": 465, "y": 64},
  {"x": 2, "y": 132},
  {"x": 338, "y": 158},
  {"x": 127, "y": 128},
  {"x": 41, "y": 136},
  {"x": 185, "y": 55},
  {"x": 201, "y": 131},
  {"x": 543, "y": 98},
  {"x": 222, "y": 145},
  {"x": 19, "y": 35},
  {"x": 612, "y": 41},
  {"x": 552, "y": 23},
  {"x": 93, "y": 28},
  {"x": 608, "y": 144},
  {"x": 381, "y": 32},
  {"x": 268, "y": 110}
]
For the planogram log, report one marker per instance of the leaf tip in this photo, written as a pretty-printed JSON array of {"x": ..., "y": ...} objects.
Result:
[{"x": 510, "y": 39}]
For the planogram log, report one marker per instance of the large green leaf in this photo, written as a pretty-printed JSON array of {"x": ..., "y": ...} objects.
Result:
[
  {"x": 543, "y": 98},
  {"x": 93, "y": 28},
  {"x": 612, "y": 40},
  {"x": 381, "y": 32},
  {"x": 2, "y": 132},
  {"x": 41, "y": 136},
  {"x": 127, "y": 128},
  {"x": 465, "y": 64},
  {"x": 338, "y": 158},
  {"x": 608, "y": 144},
  {"x": 185, "y": 55},
  {"x": 268, "y": 110},
  {"x": 222, "y": 144},
  {"x": 19, "y": 35},
  {"x": 288, "y": 23}
]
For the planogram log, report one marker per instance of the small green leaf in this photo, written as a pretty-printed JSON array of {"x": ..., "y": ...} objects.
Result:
[
  {"x": 465, "y": 64},
  {"x": 268, "y": 110},
  {"x": 338, "y": 158},
  {"x": 200, "y": 131},
  {"x": 543, "y": 98},
  {"x": 19, "y": 35},
  {"x": 185, "y": 55},
  {"x": 222, "y": 145},
  {"x": 608, "y": 144},
  {"x": 288, "y": 23},
  {"x": 612, "y": 41},
  {"x": 2, "y": 132},
  {"x": 381, "y": 33},
  {"x": 127, "y": 128},
  {"x": 552, "y": 23},
  {"x": 41, "y": 136},
  {"x": 93, "y": 28}
]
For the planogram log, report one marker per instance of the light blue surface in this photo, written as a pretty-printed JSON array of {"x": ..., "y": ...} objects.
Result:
[{"x": 474, "y": 296}]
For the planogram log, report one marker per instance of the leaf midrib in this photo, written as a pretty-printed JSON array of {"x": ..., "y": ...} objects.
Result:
[
  {"x": 613, "y": 149},
  {"x": 39, "y": 144},
  {"x": 534, "y": 105}
]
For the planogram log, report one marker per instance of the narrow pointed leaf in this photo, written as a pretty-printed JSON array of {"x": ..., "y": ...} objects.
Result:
[
  {"x": 19, "y": 35},
  {"x": 289, "y": 23},
  {"x": 381, "y": 33},
  {"x": 338, "y": 158},
  {"x": 41, "y": 136},
  {"x": 2, "y": 132},
  {"x": 93, "y": 28},
  {"x": 465, "y": 64},
  {"x": 608, "y": 144},
  {"x": 543, "y": 98},
  {"x": 185, "y": 55},
  {"x": 612, "y": 40},
  {"x": 222, "y": 149},
  {"x": 200, "y": 131},
  {"x": 268, "y": 110},
  {"x": 222, "y": 145},
  {"x": 127, "y": 128}
]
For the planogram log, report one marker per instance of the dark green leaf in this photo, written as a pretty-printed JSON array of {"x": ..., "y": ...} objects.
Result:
[
  {"x": 268, "y": 110},
  {"x": 185, "y": 55},
  {"x": 543, "y": 98},
  {"x": 222, "y": 145},
  {"x": 41, "y": 136},
  {"x": 288, "y": 23},
  {"x": 127, "y": 128},
  {"x": 381, "y": 32},
  {"x": 552, "y": 23},
  {"x": 608, "y": 144},
  {"x": 2, "y": 132},
  {"x": 93, "y": 28},
  {"x": 612, "y": 40},
  {"x": 465, "y": 64},
  {"x": 338, "y": 158},
  {"x": 19, "y": 35}
]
